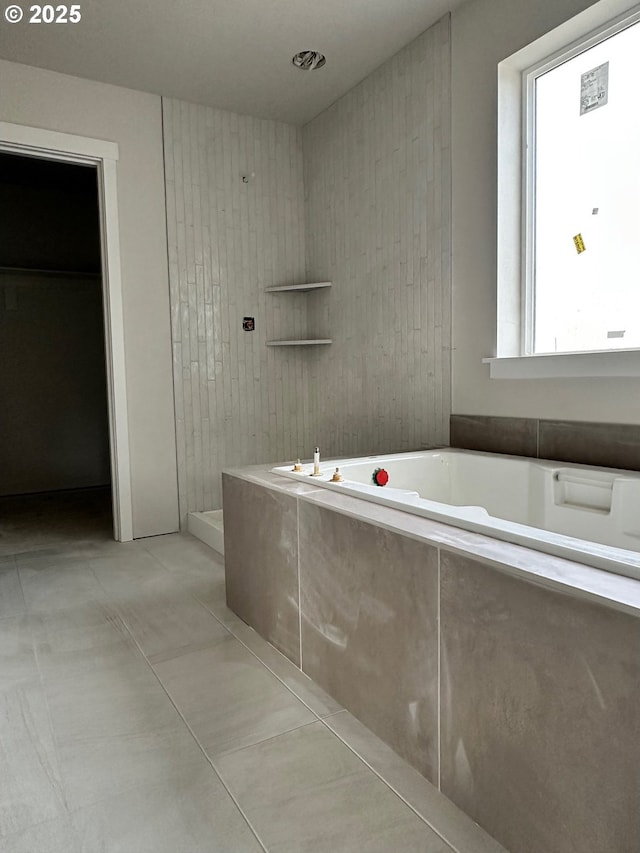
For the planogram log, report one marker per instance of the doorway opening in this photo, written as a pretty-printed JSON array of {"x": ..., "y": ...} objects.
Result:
[
  {"x": 55, "y": 472},
  {"x": 103, "y": 156}
]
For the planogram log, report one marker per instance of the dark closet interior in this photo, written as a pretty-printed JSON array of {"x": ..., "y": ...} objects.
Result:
[{"x": 54, "y": 429}]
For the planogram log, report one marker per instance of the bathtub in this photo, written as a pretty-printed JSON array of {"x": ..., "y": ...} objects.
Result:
[{"x": 587, "y": 514}]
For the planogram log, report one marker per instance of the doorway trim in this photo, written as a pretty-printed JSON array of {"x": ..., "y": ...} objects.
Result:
[{"x": 51, "y": 145}]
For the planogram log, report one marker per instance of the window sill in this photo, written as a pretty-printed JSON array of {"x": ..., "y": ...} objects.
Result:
[{"x": 567, "y": 365}]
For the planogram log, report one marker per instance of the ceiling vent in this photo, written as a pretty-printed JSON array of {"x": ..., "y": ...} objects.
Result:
[{"x": 309, "y": 60}]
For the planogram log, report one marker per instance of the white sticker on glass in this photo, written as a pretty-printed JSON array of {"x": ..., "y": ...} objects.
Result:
[{"x": 594, "y": 88}]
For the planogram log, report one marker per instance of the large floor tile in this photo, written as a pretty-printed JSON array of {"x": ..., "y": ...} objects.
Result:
[
  {"x": 115, "y": 727},
  {"x": 119, "y": 697},
  {"x": 213, "y": 594},
  {"x": 167, "y": 625},
  {"x": 130, "y": 574},
  {"x": 455, "y": 827},
  {"x": 53, "y": 836},
  {"x": 100, "y": 767},
  {"x": 11, "y": 600},
  {"x": 300, "y": 684},
  {"x": 72, "y": 643},
  {"x": 182, "y": 554},
  {"x": 30, "y": 785},
  {"x": 45, "y": 558},
  {"x": 71, "y": 584},
  {"x": 17, "y": 657},
  {"x": 110, "y": 547},
  {"x": 228, "y": 698},
  {"x": 184, "y": 812},
  {"x": 197, "y": 569},
  {"x": 306, "y": 792}
]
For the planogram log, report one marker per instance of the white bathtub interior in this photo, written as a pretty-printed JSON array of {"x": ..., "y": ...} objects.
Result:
[{"x": 588, "y": 514}]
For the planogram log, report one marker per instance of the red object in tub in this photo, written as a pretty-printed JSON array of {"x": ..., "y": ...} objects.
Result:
[{"x": 380, "y": 477}]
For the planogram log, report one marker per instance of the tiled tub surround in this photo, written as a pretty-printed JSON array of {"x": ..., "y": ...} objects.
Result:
[
  {"x": 507, "y": 677},
  {"x": 585, "y": 442}
]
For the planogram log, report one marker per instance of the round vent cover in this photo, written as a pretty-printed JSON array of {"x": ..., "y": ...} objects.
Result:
[{"x": 309, "y": 60}]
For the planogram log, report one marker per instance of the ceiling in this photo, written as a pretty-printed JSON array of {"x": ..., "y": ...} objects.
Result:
[{"x": 233, "y": 54}]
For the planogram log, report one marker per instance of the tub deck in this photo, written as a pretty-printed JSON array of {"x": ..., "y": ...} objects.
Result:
[{"x": 579, "y": 512}]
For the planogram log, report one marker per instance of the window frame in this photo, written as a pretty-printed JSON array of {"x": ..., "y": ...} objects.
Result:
[{"x": 514, "y": 357}]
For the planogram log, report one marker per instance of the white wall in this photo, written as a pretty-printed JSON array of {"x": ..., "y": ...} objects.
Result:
[
  {"x": 483, "y": 33},
  {"x": 237, "y": 401},
  {"x": 377, "y": 195},
  {"x": 31, "y": 96}
]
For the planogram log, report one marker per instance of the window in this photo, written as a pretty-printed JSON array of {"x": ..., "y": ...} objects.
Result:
[
  {"x": 568, "y": 299},
  {"x": 582, "y": 196}
]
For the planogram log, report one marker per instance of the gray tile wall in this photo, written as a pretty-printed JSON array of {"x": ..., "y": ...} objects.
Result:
[
  {"x": 536, "y": 734},
  {"x": 515, "y": 436},
  {"x": 237, "y": 401},
  {"x": 540, "y": 713},
  {"x": 373, "y": 200},
  {"x": 377, "y": 205},
  {"x": 261, "y": 555},
  {"x": 612, "y": 445},
  {"x": 607, "y": 445},
  {"x": 355, "y": 619}
]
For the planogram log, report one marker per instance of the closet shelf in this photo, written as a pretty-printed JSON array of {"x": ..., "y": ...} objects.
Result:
[{"x": 50, "y": 272}]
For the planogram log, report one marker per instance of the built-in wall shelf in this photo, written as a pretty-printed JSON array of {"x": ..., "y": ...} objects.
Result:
[
  {"x": 301, "y": 288},
  {"x": 314, "y": 326},
  {"x": 311, "y": 342}
]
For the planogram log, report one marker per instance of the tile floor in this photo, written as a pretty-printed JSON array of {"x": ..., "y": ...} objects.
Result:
[{"x": 138, "y": 714}]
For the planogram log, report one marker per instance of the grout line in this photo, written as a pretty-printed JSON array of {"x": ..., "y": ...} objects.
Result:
[
  {"x": 439, "y": 675},
  {"x": 286, "y": 660},
  {"x": 54, "y": 737},
  {"x": 275, "y": 674},
  {"x": 237, "y": 749},
  {"x": 299, "y": 584},
  {"x": 391, "y": 788},
  {"x": 193, "y": 735},
  {"x": 24, "y": 598}
]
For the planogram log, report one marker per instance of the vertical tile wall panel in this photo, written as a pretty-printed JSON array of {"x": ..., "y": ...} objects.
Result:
[
  {"x": 377, "y": 186},
  {"x": 372, "y": 195},
  {"x": 237, "y": 401}
]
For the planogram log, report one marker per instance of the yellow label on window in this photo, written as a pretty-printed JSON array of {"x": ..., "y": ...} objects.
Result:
[{"x": 579, "y": 243}]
